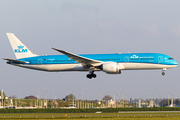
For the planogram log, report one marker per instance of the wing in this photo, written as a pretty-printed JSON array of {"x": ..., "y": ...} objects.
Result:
[
  {"x": 80, "y": 59},
  {"x": 16, "y": 61}
]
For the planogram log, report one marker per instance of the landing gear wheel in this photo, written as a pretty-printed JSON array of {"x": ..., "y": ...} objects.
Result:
[
  {"x": 93, "y": 75},
  {"x": 89, "y": 76},
  {"x": 163, "y": 73}
]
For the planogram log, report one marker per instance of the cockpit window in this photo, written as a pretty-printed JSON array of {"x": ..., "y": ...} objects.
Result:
[{"x": 171, "y": 59}]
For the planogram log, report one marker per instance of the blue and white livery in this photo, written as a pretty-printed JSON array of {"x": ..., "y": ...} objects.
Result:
[{"x": 108, "y": 63}]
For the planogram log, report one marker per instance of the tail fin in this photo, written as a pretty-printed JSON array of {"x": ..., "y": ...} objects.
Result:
[{"x": 19, "y": 49}]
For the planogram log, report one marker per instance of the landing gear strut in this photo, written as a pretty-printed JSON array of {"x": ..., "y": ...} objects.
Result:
[
  {"x": 163, "y": 73},
  {"x": 91, "y": 75}
]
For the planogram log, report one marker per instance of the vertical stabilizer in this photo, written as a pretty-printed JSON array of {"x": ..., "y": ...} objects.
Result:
[{"x": 19, "y": 49}]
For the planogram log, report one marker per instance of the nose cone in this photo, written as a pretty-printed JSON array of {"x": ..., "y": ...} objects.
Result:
[{"x": 175, "y": 63}]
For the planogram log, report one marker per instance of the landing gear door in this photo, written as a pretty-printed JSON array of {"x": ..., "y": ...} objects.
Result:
[{"x": 160, "y": 59}]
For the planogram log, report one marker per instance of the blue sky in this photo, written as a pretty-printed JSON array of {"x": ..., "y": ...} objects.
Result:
[{"x": 91, "y": 26}]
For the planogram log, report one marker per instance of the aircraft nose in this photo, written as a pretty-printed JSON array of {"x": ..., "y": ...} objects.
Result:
[{"x": 175, "y": 63}]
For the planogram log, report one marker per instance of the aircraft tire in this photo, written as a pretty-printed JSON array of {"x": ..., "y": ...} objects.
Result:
[
  {"x": 94, "y": 75},
  {"x": 163, "y": 73},
  {"x": 89, "y": 76}
]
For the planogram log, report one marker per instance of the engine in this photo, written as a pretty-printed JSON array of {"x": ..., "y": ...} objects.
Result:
[{"x": 111, "y": 68}]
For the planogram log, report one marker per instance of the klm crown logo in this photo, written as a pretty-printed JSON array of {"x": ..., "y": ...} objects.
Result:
[
  {"x": 134, "y": 56},
  {"x": 20, "y": 49}
]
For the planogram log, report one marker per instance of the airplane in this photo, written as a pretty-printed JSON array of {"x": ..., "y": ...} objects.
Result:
[{"x": 108, "y": 63}]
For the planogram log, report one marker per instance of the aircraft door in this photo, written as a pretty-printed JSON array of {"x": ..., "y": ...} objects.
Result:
[
  {"x": 126, "y": 59},
  {"x": 160, "y": 59},
  {"x": 39, "y": 61}
]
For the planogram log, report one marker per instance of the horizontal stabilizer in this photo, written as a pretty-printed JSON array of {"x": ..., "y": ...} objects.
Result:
[{"x": 17, "y": 61}]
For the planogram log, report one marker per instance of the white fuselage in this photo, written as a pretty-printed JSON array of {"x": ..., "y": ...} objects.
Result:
[{"x": 79, "y": 67}]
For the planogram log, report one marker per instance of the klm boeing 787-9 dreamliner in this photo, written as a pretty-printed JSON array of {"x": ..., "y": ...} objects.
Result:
[{"x": 108, "y": 63}]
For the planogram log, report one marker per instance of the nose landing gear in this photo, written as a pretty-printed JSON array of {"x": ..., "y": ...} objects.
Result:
[
  {"x": 163, "y": 73},
  {"x": 91, "y": 75}
]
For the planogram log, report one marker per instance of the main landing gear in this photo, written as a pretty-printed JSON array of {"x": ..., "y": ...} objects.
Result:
[{"x": 91, "y": 75}]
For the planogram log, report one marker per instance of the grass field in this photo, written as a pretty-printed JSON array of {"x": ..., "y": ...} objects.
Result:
[{"x": 95, "y": 116}]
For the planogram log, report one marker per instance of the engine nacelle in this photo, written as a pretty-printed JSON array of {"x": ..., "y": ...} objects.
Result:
[{"x": 111, "y": 68}]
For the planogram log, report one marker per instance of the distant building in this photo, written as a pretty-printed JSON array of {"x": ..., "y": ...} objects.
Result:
[
  {"x": 30, "y": 97},
  {"x": 151, "y": 103},
  {"x": 139, "y": 103},
  {"x": 111, "y": 102},
  {"x": 131, "y": 101},
  {"x": 171, "y": 105}
]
